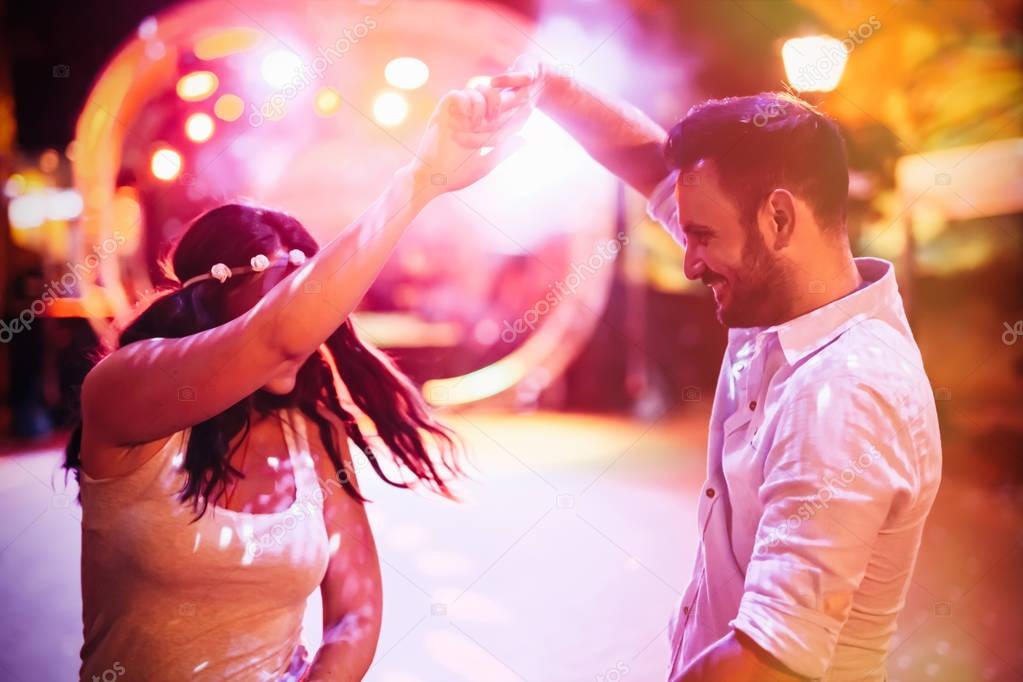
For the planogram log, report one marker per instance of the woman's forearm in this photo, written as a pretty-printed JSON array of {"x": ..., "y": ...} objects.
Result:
[
  {"x": 616, "y": 134},
  {"x": 347, "y": 651},
  {"x": 305, "y": 309}
]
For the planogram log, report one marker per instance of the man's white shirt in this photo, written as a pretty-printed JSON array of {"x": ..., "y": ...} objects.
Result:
[{"x": 824, "y": 458}]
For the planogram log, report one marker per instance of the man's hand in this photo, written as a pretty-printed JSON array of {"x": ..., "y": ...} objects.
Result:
[
  {"x": 469, "y": 134},
  {"x": 534, "y": 78}
]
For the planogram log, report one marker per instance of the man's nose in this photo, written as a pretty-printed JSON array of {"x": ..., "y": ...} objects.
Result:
[{"x": 692, "y": 264}]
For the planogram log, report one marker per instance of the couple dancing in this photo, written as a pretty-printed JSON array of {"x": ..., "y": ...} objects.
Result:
[{"x": 218, "y": 414}]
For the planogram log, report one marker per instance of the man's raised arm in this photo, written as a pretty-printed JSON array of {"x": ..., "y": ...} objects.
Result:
[{"x": 616, "y": 134}]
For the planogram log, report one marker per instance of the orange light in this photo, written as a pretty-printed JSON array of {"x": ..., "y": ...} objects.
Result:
[
  {"x": 49, "y": 160},
  {"x": 229, "y": 107},
  {"x": 199, "y": 127},
  {"x": 227, "y": 42},
  {"x": 197, "y": 85},
  {"x": 165, "y": 164},
  {"x": 328, "y": 101}
]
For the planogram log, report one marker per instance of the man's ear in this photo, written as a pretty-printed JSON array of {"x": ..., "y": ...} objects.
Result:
[{"x": 777, "y": 218}]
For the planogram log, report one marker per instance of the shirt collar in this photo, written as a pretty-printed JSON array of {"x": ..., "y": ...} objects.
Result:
[{"x": 813, "y": 330}]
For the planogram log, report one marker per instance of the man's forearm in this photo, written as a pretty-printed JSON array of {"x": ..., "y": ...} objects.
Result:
[
  {"x": 735, "y": 658},
  {"x": 616, "y": 134}
]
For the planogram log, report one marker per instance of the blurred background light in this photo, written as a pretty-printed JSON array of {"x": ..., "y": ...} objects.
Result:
[
  {"x": 229, "y": 107},
  {"x": 390, "y": 109},
  {"x": 27, "y": 211},
  {"x": 279, "y": 67},
  {"x": 814, "y": 63},
  {"x": 197, "y": 86},
  {"x": 227, "y": 42},
  {"x": 407, "y": 73},
  {"x": 328, "y": 101},
  {"x": 199, "y": 127},
  {"x": 165, "y": 164}
]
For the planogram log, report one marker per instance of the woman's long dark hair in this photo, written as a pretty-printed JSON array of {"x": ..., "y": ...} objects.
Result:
[{"x": 233, "y": 234}]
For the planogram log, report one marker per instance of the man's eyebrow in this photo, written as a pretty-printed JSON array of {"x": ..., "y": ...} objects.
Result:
[{"x": 688, "y": 227}]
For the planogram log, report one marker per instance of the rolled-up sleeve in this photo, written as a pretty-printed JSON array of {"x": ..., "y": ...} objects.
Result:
[
  {"x": 663, "y": 208},
  {"x": 829, "y": 482}
]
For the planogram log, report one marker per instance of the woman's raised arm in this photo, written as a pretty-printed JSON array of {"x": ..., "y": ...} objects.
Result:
[{"x": 155, "y": 387}]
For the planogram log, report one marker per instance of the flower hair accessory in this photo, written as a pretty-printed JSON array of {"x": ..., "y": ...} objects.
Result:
[
  {"x": 220, "y": 272},
  {"x": 257, "y": 263}
]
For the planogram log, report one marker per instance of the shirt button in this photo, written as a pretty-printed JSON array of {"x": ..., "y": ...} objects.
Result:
[
  {"x": 753, "y": 404},
  {"x": 685, "y": 610},
  {"x": 710, "y": 492}
]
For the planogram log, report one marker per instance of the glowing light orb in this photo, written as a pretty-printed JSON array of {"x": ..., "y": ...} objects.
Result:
[
  {"x": 165, "y": 164},
  {"x": 279, "y": 67},
  {"x": 327, "y": 102},
  {"x": 199, "y": 127},
  {"x": 229, "y": 107},
  {"x": 197, "y": 86},
  {"x": 390, "y": 109},
  {"x": 814, "y": 63},
  {"x": 407, "y": 73}
]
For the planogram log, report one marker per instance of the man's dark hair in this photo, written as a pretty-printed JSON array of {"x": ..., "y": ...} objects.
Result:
[{"x": 762, "y": 142}]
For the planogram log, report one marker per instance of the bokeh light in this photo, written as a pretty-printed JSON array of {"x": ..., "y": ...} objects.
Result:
[
  {"x": 165, "y": 164},
  {"x": 229, "y": 107},
  {"x": 199, "y": 127},
  {"x": 279, "y": 67},
  {"x": 197, "y": 86},
  {"x": 390, "y": 109},
  {"x": 407, "y": 73},
  {"x": 328, "y": 101},
  {"x": 814, "y": 63}
]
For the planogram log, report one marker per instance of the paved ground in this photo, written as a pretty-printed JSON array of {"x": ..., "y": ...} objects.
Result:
[{"x": 563, "y": 562}]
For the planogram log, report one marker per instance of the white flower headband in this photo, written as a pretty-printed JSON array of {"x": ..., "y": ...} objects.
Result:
[{"x": 258, "y": 263}]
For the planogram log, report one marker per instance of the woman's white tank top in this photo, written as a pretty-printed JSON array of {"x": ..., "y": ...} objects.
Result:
[{"x": 220, "y": 598}]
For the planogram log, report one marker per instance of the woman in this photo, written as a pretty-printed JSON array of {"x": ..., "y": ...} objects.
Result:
[{"x": 216, "y": 483}]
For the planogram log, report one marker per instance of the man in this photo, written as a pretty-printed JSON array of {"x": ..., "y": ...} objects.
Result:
[{"x": 823, "y": 456}]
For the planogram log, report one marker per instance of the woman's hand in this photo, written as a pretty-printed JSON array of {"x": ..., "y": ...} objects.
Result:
[{"x": 469, "y": 134}]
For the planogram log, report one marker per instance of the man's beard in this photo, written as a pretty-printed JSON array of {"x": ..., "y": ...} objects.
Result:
[{"x": 759, "y": 295}]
